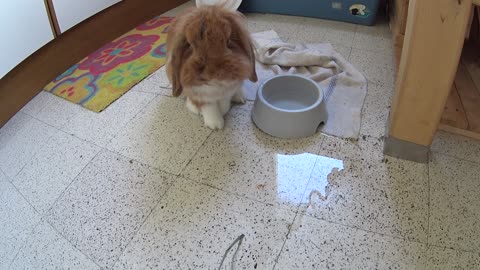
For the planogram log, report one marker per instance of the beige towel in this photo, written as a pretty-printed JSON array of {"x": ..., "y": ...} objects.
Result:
[{"x": 344, "y": 87}]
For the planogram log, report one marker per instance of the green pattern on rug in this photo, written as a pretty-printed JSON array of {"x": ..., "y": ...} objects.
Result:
[{"x": 109, "y": 72}]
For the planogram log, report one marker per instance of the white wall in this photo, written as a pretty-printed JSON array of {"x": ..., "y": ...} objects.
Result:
[
  {"x": 24, "y": 28},
  {"x": 71, "y": 12}
]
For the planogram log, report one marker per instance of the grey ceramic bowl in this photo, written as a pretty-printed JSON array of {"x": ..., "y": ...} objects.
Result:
[{"x": 289, "y": 106}]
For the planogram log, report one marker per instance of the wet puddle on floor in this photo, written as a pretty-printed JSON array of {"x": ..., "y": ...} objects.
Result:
[
  {"x": 323, "y": 180},
  {"x": 316, "y": 173}
]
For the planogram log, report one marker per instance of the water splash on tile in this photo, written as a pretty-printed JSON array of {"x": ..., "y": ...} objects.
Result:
[
  {"x": 326, "y": 170},
  {"x": 293, "y": 172},
  {"x": 301, "y": 167}
]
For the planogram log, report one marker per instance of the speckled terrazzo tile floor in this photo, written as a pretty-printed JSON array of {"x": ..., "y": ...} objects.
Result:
[{"x": 143, "y": 185}]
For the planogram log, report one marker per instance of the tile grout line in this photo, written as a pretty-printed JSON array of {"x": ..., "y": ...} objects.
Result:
[
  {"x": 285, "y": 242},
  {"x": 74, "y": 246},
  {"x": 270, "y": 204},
  {"x": 332, "y": 222},
  {"x": 299, "y": 204},
  {"x": 248, "y": 198},
  {"x": 349, "y": 226},
  {"x": 55, "y": 202},
  {"x": 154, "y": 207},
  {"x": 24, "y": 244},
  {"x": 140, "y": 162},
  {"x": 36, "y": 153},
  {"x": 61, "y": 195},
  {"x": 41, "y": 107},
  {"x": 320, "y": 147},
  {"x": 454, "y": 157},
  {"x": 162, "y": 197},
  {"x": 197, "y": 150},
  {"x": 5, "y": 175},
  {"x": 182, "y": 171},
  {"x": 380, "y": 85},
  {"x": 455, "y": 249},
  {"x": 48, "y": 124},
  {"x": 256, "y": 201},
  {"x": 61, "y": 130},
  {"x": 132, "y": 118},
  {"x": 186, "y": 165},
  {"x": 33, "y": 208},
  {"x": 368, "y": 231},
  {"x": 232, "y": 193},
  {"x": 169, "y": 174},
  {"x": 362, "y": 111},
  {"x": 9, "y": 181},
  {"x": 16, "y": 188},
  {"x": 155, "y": 95},
  {"x": 429, "y": 199},
  {"x": 73, "y": 180},
  {"x": 353, "y": 40},
  {"x": 348, "y": 56},
  {"x": 45, "y": 106},
  {"x": 43, "y": 218},
  {"x": 25, "y": 198},
  {"x": 428, "y": 212},
  {"x": 311, "y": 175}
]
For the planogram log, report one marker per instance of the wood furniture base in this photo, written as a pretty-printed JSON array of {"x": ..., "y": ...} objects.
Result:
[
  {"x": 29, "y": 77},
  {"x": 462, "y": 110},
  {"x": 431, "y": 52},
  {"x": 406, "y": 150},
  {"x": 461, "y": 114}
]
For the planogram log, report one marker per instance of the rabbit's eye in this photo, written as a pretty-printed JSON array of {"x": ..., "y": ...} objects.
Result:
[{"x": 230, "y": 44}]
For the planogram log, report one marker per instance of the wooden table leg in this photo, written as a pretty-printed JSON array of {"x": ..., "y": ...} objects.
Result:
[{"x": 433, "y": 43}]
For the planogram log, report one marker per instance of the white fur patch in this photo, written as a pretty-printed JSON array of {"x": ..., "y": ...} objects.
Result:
[
  {"x": 224, "y": 105},
  {"x": 217, "y": 97},
  {"x": 191, "y": 107},
  {"x": 212, "y": 116},
  {"x": 215, "y": 90}
]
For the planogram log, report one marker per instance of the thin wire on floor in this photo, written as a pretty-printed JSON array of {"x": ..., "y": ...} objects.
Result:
[{"x": 239, "y": 240}]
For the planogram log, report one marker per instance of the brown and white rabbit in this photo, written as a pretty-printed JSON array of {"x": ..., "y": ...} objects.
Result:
[{"x": 209, "y": 55}]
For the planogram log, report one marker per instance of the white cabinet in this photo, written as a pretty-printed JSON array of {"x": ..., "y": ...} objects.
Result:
[
  {"x": 24, "y": 28},
  {"x": 25, "y": 25},
  {"x": 71, "y": 12}
]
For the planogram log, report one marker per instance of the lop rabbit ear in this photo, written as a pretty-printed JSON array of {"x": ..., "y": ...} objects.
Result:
[
  {"x": 178, "y": 59},
  {"x": 177, "y": 52},
  {"x": 251, "y": 54},
  {"x": 231, "y": 5},
  {"x": 244, "y": 42}
]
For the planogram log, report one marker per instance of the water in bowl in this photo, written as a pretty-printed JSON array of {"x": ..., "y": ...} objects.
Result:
[{"x": 290, "y": 100}]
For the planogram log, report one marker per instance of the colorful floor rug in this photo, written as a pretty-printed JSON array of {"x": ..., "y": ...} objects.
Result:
[{"x": 106, "y": 74}]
